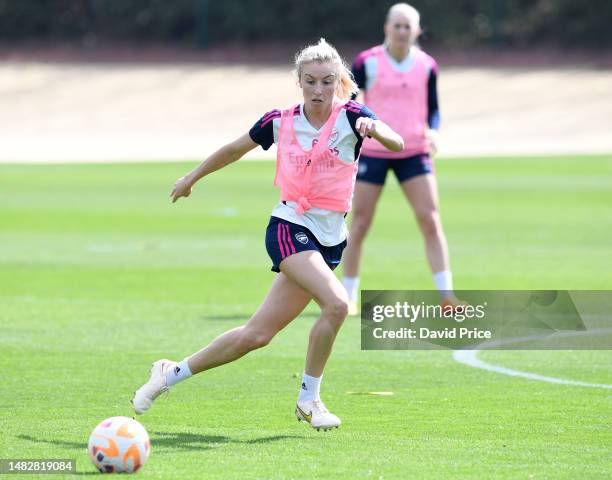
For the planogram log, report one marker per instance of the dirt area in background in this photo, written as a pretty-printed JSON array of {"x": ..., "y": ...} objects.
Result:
[{"x": 62, "y": 104}]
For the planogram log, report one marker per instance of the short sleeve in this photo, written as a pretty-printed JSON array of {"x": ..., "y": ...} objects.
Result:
[
  {"x": 366, "y": 112},
  {"x": 354, "y": 110},
  {"x": 262, "y": 132}
]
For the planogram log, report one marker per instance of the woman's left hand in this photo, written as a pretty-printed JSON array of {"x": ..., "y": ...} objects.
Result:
[{"x": 365, "y": 126}]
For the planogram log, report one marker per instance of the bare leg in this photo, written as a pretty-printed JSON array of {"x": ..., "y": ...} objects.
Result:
[
  {"x": 364, "y": 205},
  {"x": 308, "y": 269},
  {"x": 422, "y": 193},
  {"x": 285, "y": 301}
]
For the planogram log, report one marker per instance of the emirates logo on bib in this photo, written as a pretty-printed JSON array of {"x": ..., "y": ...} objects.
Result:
[{"x": 301, "y": 237}]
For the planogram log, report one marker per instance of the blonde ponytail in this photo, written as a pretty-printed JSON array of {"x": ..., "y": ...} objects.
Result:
[{"x": 324, "y": 52}]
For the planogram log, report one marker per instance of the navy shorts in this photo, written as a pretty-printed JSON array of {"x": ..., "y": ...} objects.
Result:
[
  {"x": 374, "y": 170},
  {"x": 284, "y": 238}
]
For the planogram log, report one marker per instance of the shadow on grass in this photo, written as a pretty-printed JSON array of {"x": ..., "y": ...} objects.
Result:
[
  {"x": 171, "y": 441},
  {"x": 175, "y": 440},
  {"x": 193, "y": 441},
  {"x": 57, "y": 443},
  {"x": 237, "y": 316}
]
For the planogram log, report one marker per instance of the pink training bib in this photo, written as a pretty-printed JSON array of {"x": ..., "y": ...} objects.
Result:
[
  {"x": 314, "y": 178},
  {"x": 400, "y": 100}
]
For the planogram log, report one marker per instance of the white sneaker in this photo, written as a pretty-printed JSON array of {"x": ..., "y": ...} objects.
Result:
[
  {"x": 145, "y": 395},
  {"x": 353, "y": 309},
  {"x": 315, "y": 413}
]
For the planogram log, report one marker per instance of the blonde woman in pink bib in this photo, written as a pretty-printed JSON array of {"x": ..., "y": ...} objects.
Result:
[
  {"x": 398, "y": 80},
  {"x": 318, "y": 143}
]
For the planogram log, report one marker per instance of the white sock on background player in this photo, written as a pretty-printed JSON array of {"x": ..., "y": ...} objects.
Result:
[
  {"x": 351, "y": 284},
  {"x": 444, "y": 283}
]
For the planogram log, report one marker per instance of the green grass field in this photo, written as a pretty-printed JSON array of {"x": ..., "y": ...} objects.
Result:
[{"x": 100, "y": 275}]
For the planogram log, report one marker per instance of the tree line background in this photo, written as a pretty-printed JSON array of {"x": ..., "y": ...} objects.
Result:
[{"x": 447, "y": 23}]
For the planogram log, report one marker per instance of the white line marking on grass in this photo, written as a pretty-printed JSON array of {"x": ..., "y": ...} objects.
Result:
[
  {"x": 114, "y": 248},
  {"x": 226, "y": 212},
  {"x": 470, "y": 358},
  {"x": 122, "y": 246}
]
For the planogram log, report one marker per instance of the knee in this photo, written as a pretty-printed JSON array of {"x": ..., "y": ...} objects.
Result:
[
  {"x": 253, "y": 339},
  {"x": 336, "y": 311},
  {"x": 360, "y": 226}
]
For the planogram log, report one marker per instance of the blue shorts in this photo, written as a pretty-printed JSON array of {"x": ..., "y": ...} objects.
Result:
[
  {"x": 374, "y": 170},
  {"x": 284, "y": 238}
]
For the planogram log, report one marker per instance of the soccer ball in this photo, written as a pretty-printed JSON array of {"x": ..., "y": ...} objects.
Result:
[{"x": 119, "y": 445}]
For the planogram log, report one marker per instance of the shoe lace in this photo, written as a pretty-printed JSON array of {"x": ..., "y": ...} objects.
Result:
[
  {"x": 165, "y": 390},
  {"x": 164, "y": 371},
  {"x": 320, "y": 406}
]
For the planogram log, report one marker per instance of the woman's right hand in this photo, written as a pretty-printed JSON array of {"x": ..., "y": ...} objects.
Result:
[{"x": 182, "y": 188}]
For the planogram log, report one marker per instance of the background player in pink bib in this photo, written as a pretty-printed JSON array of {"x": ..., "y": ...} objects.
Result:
[
  {"x": 398, "y": 80},
  {"x": 318, "y": 143}
]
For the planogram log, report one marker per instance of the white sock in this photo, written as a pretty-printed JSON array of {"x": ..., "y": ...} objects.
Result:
[
  {"x": 310, "y": 388},
  {"x": 444, "y": 283},
  {"x": 178, "y": 374},
  {"x": 351, "y": 284}
]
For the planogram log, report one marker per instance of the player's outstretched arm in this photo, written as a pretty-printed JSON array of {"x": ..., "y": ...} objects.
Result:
[
  {"x": 224, "y": 156},
  {"x": 381, "y": 132}
]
